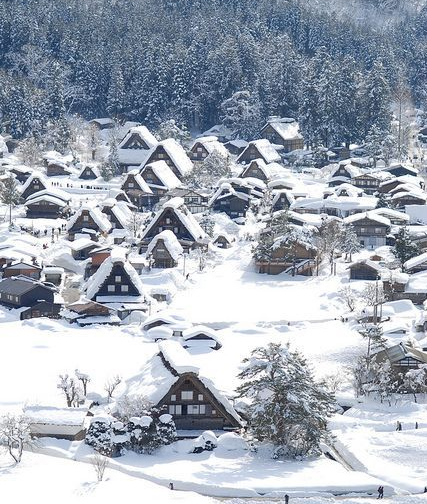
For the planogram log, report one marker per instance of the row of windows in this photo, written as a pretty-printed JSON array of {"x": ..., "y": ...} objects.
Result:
[
  {"x": 371, "y": 230},
  {"x": 123, "y": 288},
  {"x": 191, "y": 409},
  {"x": 187, "y": 395}
]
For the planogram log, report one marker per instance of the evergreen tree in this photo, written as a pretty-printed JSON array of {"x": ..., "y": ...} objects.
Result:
[
  {"x": 349, "y": 242},
  {"x": 287, "y": 407},
  {"x": 378, "y": 96},
  {"x": 405, "y": 248},
  {"x": 382, "y": 201},
  {"x": 100, "y": 436},
  {"x": 242, "y": 114},
  {"x": 9, "y": 194},
  {"x": 116, "y": 93}
]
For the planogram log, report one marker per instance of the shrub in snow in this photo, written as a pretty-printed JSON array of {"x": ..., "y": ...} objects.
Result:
[
  {"x": 100, "y": 435},
  {"x": 150, "y": 431},
  {"x": 287, "y": 407},
  {"x": 207, "y": 441},
  {"x": 231, "y": 441},
  {"x": 166, "y": 429}
]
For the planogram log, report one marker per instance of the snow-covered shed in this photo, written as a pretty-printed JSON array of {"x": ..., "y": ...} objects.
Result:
[
  {"x": 365, "y": 269},
  {"x": 59, "y": 423},
  {"x": 204, "y": 146},
  {"x": 201, "y": 336}
]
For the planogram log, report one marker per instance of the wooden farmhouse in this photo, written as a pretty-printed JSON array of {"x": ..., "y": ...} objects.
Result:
[
  {"x": 135, "y": 147},
  {"x": 173, "y": 154},
  {"x": 35, "y": 183},
  {"x": 20, "y": 291},
  {"x": 172, "y": 382},
  {"x": 343, "y": 174},
  {"x": 299, "y": 260},
  {"x": 115, "y": 281},
  {"x": 21, "y": 173},
  {"x": 57, "y": 169},
  {"x": 399, "y": 170},
  {"x": 405, "y": 198},
  {"x": 85, "y": 313},
  {"x": 234, "y": 195},
  {"x": 402, "y": 358},
  {"x": 282, "y": 199},
  {"x": 394, "y": 216},
  {"x": 371, "y": 228},
  {"x": 160, "y": 179},
  {"x": 118, "y": 213},
  {"x": 259, "y": 149},
  {"x": 137, "y": 190},
  {"x": 283, "y": 131},
  {"x": 22, "y": 268},
  {"x": 263, "y": 171},
  {"x": 164, "y": 250},
  {"x": 204, "y": 146},
  {"x": 47, "y": 204},
  {"x": 102, "y": 123},
  {"x": 236, "y": 147},
  {"x": 175, "y": 217},
  {"x": 195, "y": 201},
  {"x": 365, "y": 270},
  {"x": 369, "y": 183},
  {"x": 89, "y": 172},
  {"x": 88, "y": 220}
]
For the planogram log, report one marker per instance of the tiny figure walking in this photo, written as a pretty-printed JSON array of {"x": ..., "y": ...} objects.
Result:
[
  {"x": 171, "y": 486},
  {"x": 398, "y": 426},
  {"x": 380, "y": 492},
  {"x": 286, "y": 499}
]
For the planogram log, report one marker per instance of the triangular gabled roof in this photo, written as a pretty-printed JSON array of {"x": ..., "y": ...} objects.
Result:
[
  {"x": 117, "y": 256},
  {"x": 176, "y": 154},
  {"x": 177, "y": 206},
  {"x": 98, "y": 217},
  {"x": 170, "y": 241},
  {"x": 163, "y": 172},
  {"x": 143, "y": 134},
  {"x": 142, "y": 184}
]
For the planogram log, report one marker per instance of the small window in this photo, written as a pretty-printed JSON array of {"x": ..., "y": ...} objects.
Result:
[
  {"x": 168, "y": 221},
  {"x": 213, "y": 412},
  {"x": 200, "y": 397},
  {"x": 175, "y": 230},
  {"x": 124, "y": 288},
  {"x": 117, "y": 278},
  {"x": 85, "y": 218},
  {"x": 175, "y": 409},
  {"x": 187, "y": 395},
  {"x": 130, "y": 185},
  {"x": 173, "y": 397},
  {"x": 111, "y": 288}
]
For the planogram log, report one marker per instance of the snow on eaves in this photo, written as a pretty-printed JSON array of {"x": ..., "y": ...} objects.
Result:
[
  {"x": 176, "y": 153},
  {"x": 170, "y": 241},
  {"x": 367, "y": 215},
  {"x": 211, "y": 144},
  {"x": 286, "y": 127},
  {"x": 163, "y": 172},
  {"x": 143, "y": 133},
  {"x": 265, "y": 149},
  {"x": 98, "y": 217},
  {"x": 143, "y": 186},
  {"x": 35, "y": 175},
  {"x": 118, "y": 255},
  {"x": 415, "y": 261},
  {"x": 177, "y": 357}
]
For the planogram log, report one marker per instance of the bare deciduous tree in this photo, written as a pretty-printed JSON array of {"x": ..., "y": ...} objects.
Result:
[
  {"x": 99, "y": 463},
  {"x": 349, "y": 297},
  {"x": 73, "y": 393},
  {"x": 15, "y": 434},
  {"x": 111, "y": 386},
  {"x": 84, "y": 378}
]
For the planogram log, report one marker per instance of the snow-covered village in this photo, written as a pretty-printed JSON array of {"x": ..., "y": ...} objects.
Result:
[{"x": 213, "y": 251}]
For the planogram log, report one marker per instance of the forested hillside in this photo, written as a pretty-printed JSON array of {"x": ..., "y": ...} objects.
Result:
[{"x": 151, "y": 60}]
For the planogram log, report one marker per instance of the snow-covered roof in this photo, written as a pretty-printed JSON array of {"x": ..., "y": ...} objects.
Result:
[
  {"x": 55, "y": 416},
  {"x": 200, "y": 329},
  {"x": 371, "y": 264},
  {"x": 343, "y": 203},
  {"x": 265, "y": 149},
  {"x": 177, "y": 357},
  {"x": 143, "y": 186},
  {"x": 415, "y": 261},
  {"x": 35, "y": 175},
  {"x": 351, "y": 190},
  {"x": 177, "y": 155},
  {"x": 211, "y": 144},
  {"x": 52, "y": 191},
  {"x": 46, "y": 197},
  {"x": 163, "y": 172},
  {"x": 160, "y": 332},
  {"x": 186, "y": 218},
  {"x": 98, "y": 217},
  {"x": 141, "y": 131},
  {"x": 118, "y": 255},
  {"x": 413, "y": 194},
  {"x": 82, "y": 243},
  {"x": 170, "y": 241},
  {"x": 367, "y": 215},
  {"x": 286, "y": 127},
  {"x": 120, "y": 210},
  {"x": 270, "y": 170},
  {"x": 218, "y": 130},
  {"x": 391, "y": 214}
]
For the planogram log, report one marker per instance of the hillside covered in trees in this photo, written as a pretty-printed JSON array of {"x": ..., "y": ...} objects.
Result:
[{"x": 153, "y": 60}]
